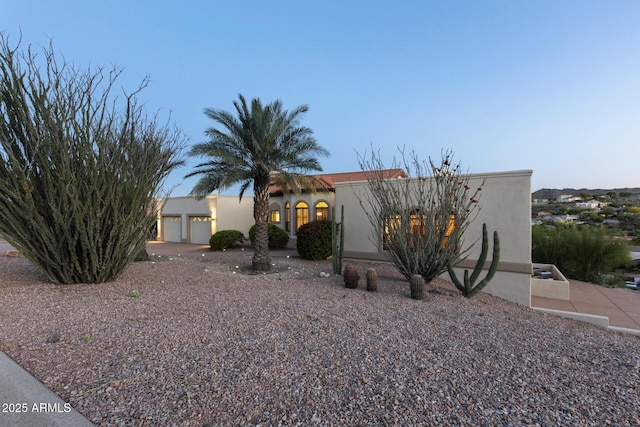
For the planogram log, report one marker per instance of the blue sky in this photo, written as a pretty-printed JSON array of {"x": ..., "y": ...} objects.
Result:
[{"x": 552, "y": 86}]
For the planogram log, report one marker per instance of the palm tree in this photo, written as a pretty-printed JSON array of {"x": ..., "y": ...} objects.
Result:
[{"x": 261, "y": 143}]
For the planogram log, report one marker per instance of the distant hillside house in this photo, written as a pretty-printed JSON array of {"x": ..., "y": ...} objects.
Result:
[
  {"x": 540, "y": 201},
  {"x": 590, "y": 204},
  {"x": 567, "y": 198},
  {"x": 289, "y": 210}
]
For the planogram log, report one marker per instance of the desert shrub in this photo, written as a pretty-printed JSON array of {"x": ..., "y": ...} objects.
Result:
[
  {"x": 581, "y": 253},
  {"x": 314, "y": 240},
  {"x": 422, "y": 219},
  {"x": 547, "y": 245},
  {"x": 278, "y": 238},
  {"x": 225, "y": 239},
  {"x": 81, "y": 165}
]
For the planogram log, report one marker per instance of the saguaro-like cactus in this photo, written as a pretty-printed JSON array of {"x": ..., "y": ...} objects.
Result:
[
  {"x": 337, "y": 240},
  {"x": 372, "y": 280},
  {"x": 469, "y": 288}
]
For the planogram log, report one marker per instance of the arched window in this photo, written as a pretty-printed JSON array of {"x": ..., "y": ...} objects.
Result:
[
  {"x": 287, "y": 216},
  {"x": 302, "y": 214},
  {"x": 418, "y": 223},
  {"x": 322, "y": 211}
]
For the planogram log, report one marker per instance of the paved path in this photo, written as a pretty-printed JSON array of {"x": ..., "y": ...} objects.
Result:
[{"x": 620, "y": 305}]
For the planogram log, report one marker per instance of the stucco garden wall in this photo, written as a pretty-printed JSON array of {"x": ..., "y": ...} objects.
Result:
[{"x": 504, "y": 206}]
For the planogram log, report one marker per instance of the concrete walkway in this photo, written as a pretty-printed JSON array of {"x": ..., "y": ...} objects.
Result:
[
  {"x": 26, "y": 402},
  {"x": 617, "y": 308}
]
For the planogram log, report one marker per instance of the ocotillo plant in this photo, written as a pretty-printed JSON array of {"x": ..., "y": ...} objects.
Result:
[
  {"x": 337, "y": 242},
  {"x": 469, "y": 288}
]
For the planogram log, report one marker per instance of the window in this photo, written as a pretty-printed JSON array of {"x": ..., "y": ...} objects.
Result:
[
  {"x": 287, "y": 216},
  {"x": 416, "y": 222},
  {"x": 451, "y": 225},
  {"x": 392, "y": 224},
  {"x": 274, "y": 212},
  {"x": 322, "y": 211},
  {"x": 302, "y": 214}
]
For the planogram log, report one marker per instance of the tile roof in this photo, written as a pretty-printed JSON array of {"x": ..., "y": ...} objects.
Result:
[{"x": 326, "y": 181}]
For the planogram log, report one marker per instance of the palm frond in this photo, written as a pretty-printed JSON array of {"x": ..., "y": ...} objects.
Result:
[{"x": 257, "y": 142}]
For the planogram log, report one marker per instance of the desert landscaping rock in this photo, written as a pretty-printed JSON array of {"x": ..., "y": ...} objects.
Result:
[{"x": 207, "y": 343}]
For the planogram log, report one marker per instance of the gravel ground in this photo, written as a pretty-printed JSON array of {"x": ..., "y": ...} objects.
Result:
[{"x": 206, "y": 343}]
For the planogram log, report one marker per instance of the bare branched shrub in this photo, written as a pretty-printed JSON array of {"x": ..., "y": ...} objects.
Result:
[
  {"x": 79, "y": 170},
  {"x": 419, "y": 221}
]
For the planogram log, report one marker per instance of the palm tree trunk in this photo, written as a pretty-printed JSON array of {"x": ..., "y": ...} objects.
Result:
[{"x": 261, "y": 259}]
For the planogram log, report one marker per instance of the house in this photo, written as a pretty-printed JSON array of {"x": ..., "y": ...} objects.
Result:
[
  {"x": 567, "y": 198},
  {"x": 565, "y": 219},
  {"x": 289, "y": 210},
  {"x": 590, "y": 204},
  {"x": 505, "y": 206},
  {"x": 191, "y": 220}
]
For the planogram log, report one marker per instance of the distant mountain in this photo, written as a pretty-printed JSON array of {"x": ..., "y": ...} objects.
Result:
[{"x": 553, "y": 193}]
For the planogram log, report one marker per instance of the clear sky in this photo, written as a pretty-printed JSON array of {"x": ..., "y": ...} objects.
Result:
[{"x": 551, "y": 86}]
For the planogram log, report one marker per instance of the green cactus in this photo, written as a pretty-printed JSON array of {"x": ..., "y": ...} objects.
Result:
[
  {"x": 372, "y": 279},
  {"x": 469, "y": 288},
  {"x": 337, "y": 242},
  {"x": 416, "y": 285}
]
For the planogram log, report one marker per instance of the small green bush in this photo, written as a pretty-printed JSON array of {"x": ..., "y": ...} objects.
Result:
[
  {"x": 225, "y": 239},
  {"x": 314, "y": 240},
  {"x": 278, "y": 238}
]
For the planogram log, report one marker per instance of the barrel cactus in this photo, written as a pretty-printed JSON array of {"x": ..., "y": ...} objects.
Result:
[
  {"x": 416, "y": 284},
  {"x": 351, "y": 277}
]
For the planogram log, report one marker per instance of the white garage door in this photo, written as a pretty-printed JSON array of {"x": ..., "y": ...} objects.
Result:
[
  {"x": 171, "y": 229},
  {"x": 200, "y": 229}
]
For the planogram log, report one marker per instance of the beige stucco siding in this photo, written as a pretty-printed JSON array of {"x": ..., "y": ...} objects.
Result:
[
  {"x": 504, "y": 206},
  {"x": 227, "y": 212},
  {"x": 233, "y": 214}
]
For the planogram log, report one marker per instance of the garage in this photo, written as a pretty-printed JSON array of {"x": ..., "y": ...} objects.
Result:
[
  {"x": 171, "y": 229},
  {"x": 199, "y": 230}
]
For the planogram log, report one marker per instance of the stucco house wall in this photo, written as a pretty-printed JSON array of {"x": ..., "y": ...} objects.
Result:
[
  {"x": 505, "y": 206},
  {"x": 232, "y": 214},
  {"x": 199, "y": 219}
]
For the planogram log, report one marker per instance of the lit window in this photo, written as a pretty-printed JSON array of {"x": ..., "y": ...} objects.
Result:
[
  {"x": 416, "y": 221},
  {"x": 287, "y": 216},
  {"x": 451, "y": 225},
  {"x": 275, "y": 216},
  {"x": 417, "y": 226},
  {"x": 391, "y": 225},
  {"x": 322, "y": 211},
  {"x": 302, "y": 214}
]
